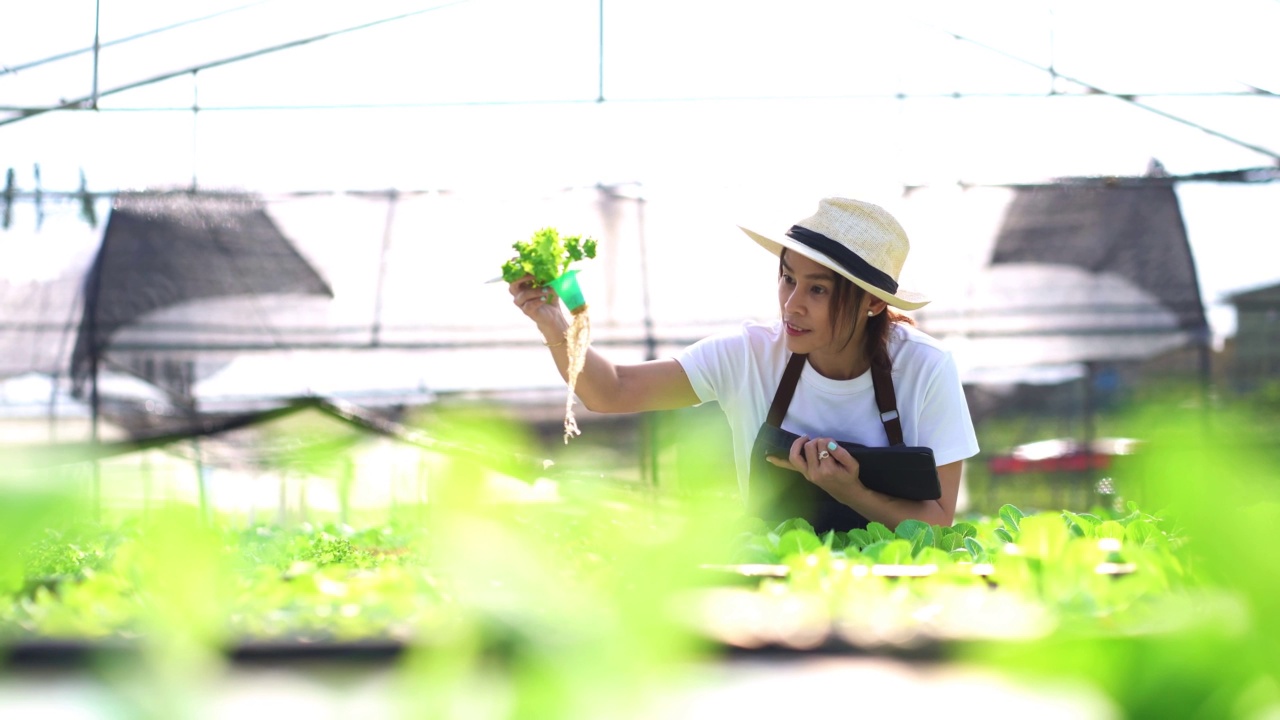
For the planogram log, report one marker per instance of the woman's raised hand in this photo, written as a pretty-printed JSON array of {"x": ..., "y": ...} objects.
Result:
[{"x": 541, "y": 304}]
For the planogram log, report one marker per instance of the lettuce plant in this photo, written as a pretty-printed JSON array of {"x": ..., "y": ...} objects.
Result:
[{"x": 546, "y": 256}]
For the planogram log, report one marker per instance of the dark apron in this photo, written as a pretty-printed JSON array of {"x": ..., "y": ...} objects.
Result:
[{"x": 779, "y": 494}]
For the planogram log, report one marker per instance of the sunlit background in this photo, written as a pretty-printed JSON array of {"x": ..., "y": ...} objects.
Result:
[{"x": 294, "y": 207}]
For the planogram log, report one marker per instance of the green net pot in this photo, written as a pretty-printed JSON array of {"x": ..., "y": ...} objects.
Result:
[{"x": 566, "y": 286}]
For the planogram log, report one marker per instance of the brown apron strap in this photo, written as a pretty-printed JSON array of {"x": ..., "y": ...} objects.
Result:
[
  {"x": 887, "y": 401},
  {"x": 881, "y": 380},
  {"x": 786, "y": 388}
]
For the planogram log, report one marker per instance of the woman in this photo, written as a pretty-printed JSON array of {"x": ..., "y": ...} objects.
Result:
[{"x": 837, "y": 278}]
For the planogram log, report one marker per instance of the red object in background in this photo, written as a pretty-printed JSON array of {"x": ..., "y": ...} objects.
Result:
[
  {"x": 1075, "y": 462},
  {"x": 1060, "y": 456}
]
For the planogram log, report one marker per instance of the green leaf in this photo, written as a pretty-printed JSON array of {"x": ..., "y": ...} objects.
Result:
[
  {"x": 948, "y": 539},
  {"x": 757, "y": 551},
  {"x": 908, "y": 529},
  {"x": 1079, "y": 525},
  {"x": 1011, "y": 516},
  {"x": 872, "y": 551},
  {"x": 859, "y": 538},
  {"x": 1003, "y": 534},
  {"x": 1144, "y": 534},
  {"x": 1135, "y": 515},
  {"x": 512, "y": 270},
  {"x": 976, "y": 549},
  {"x": 895, "y": 552},
  {"x": 546, "y": 256},
  {"x": 1110, "y": 529},
  {"x": 839, "y": 540},
  {"x": 798, "y": 542},
  {"x": 934, "y": 556},
  {"x": 1043, "y": 536},
  {"x": 879, "y": 532},
  {"x": 797, "y": 523},
  {"x": 917, "y": 532},
  {"x": 966, "y": 529}
]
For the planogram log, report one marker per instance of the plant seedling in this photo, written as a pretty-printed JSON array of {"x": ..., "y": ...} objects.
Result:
[{"x": 546, "y": 257}]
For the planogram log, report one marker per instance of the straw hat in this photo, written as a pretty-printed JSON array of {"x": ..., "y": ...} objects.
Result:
[{"x": 859, "y": 240}]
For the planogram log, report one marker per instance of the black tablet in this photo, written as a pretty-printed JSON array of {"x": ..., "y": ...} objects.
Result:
[{"x": 907, "y": 472}]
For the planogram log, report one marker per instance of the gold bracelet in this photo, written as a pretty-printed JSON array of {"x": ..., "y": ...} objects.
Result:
[{"x": 554, "y": 344}]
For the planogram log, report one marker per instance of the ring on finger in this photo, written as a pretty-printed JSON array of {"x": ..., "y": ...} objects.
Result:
[{"x": 823, "y": 455}]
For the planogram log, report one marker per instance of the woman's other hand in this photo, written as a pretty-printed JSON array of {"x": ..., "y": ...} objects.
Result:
[{"x": 835, "y": 471}]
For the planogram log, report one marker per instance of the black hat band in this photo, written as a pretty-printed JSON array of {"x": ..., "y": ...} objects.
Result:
[{"x": 848, "y": 259}]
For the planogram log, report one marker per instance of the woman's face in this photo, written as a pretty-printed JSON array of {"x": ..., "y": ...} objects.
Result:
[{"x": 805, "y": 298}]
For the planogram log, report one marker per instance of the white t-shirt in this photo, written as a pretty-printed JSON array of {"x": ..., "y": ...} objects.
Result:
[{"x": 741, "y": 370}]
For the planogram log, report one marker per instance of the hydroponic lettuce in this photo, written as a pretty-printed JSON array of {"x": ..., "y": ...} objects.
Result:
[
  {"x": 1013, "y": 574},
  {"x": 547, "y": 257}
]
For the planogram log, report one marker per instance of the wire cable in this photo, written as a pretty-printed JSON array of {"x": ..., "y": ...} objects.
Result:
[
  {"x": 641, "y": 100},
  {"x": 14, "y": 69},
  {"x": 81, "y": 102},
  {"x": 1124, "y": 97}
]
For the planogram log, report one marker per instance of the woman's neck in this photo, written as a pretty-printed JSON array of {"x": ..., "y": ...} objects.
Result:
[{"x": 844, "y": 365}]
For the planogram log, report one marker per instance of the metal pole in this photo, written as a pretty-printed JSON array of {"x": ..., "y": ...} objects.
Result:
[
  {"x": 1206, "y": 372},
  {"x": 95, "y": 355},
  {"x": 202, "y": 488},
  {"x": 375, "y": 337},
  {"x": 650, "y": 421},
  {"x": 195, "y": 128},
  {"x": 97, "y": 45},
  {"x": 600, "y": 87},
  {"x": 1086, "y": 474},
  {"x": 94, "y": 410}
]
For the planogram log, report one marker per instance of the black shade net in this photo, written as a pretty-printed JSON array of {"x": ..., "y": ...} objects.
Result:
[
  {"x": 162, "y": 250},
  {"x": 1131, "y": 230}
]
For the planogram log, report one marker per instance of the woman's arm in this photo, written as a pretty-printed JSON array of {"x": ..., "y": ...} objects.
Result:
[
  {"x": 603, "y": 386},
  {"x": 838, "y": 475}
]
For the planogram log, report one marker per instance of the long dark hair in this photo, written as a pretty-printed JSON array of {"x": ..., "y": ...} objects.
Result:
[{"x": 846, "y": 298}]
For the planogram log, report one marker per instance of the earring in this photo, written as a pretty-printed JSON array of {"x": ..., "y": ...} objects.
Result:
[{"x": 870, "y": 314}]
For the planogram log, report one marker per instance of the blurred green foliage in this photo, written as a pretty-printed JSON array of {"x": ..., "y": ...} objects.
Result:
[
  {"x": 511, "y": 608},
  {"x": 559, "y": 609},
  {"x": 584, "y": 604},
  {"x": 1213, "y": 469},
  {"x": 1008, "y": 575}
]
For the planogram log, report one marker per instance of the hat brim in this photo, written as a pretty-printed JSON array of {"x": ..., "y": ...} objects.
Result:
[{"x": 904, "y": 299}]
